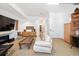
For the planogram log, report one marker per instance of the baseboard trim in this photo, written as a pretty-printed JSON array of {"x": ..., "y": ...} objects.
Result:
[
  {"x": 66, "y": 42},
  {"x": 57, "y": 38}
]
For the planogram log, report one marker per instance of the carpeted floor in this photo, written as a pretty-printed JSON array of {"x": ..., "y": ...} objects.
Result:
[{"x": 60, "y": 48}]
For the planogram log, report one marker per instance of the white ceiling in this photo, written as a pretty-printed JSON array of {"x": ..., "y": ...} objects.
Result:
[
  {"x": 34, "y": 9},
  {"x": 6, "y": 7},
  {"x": 22, "y": 10}
]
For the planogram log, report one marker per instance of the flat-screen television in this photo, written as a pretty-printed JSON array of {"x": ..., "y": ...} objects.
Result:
[{"x": 6, "y": 24}]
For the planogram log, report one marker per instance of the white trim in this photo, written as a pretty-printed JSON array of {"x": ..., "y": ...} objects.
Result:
[{"x": 18, "y": 10}]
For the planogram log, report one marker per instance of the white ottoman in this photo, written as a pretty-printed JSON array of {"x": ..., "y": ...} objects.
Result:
[{"x": 43, "y": 46}]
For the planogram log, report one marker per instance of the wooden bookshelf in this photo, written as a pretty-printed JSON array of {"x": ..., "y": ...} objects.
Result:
[{"x": 70, "y": 28}]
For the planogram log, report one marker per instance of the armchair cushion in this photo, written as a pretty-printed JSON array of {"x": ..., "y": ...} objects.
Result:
[{"x": 42, "y": 46}]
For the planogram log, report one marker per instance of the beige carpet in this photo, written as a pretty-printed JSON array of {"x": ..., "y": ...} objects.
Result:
[{"x": 60, "y": 48}]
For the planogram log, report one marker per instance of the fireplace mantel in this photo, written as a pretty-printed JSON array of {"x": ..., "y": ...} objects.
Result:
[{"x": 4, "y": 33}]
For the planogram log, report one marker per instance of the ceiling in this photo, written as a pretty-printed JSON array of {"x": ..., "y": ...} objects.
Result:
[
  {"x": 34, "y": 9},
  {"x": 22, "y": 10}
]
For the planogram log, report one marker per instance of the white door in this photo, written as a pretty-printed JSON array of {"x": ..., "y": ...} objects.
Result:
[{"x": 56, "y": 25}]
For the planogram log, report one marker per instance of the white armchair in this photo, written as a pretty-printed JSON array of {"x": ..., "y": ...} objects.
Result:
[{"x": 43, "y": 45}]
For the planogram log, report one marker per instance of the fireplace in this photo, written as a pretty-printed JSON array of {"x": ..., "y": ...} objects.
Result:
[{"x": 5, "y": 39}]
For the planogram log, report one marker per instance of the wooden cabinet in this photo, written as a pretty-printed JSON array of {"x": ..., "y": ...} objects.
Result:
[
  {"x": 72, "y": 27},
  {"x": 75, "y": 21},
  {"x": 67, "y": 32},
  {"x": 17, "y": 24}
]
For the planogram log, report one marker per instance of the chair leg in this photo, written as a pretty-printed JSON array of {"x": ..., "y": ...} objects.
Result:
[
  {"x": 20, "y": 46},
  {"x": 71, "y": 47},
  {"x": 28, "y": 45}
]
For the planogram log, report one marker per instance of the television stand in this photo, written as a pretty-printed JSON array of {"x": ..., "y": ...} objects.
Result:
[{"x": 4, "y": 49}]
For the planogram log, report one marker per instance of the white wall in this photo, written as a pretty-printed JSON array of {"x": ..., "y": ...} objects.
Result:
[
  {"x": 56, "y": 28},
  {"x": 32, "y": 21}
]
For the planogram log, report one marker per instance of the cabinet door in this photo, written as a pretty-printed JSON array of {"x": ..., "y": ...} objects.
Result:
[{"x": 67, "y": 30}]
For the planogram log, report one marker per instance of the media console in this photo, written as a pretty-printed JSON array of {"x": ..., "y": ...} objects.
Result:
[
  {"x": 4, "y": 49},
  {"x": 12, "y": 34},
  {"x": 6, "y": 37}
]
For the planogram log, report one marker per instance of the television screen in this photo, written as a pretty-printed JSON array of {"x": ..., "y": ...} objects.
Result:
[{"x": 6, "y": 24}]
